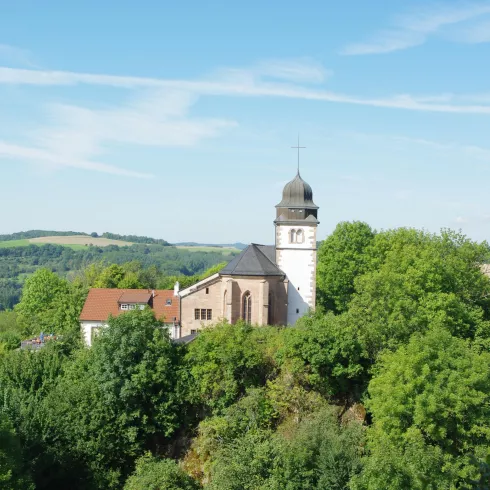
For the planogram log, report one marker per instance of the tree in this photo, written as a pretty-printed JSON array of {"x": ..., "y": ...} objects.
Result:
[
  {"x": 314, "y": 452},
  {"x": 342, "y": 257},
  {"x": 12, "y": 471},
  {"x": 40, "y": 295},
  {"x": 159, "y": 474},
  {"x": 325, "y": 353},
  {"x": 117, "y": 399},
  {"x": 26, "y": 379},
  {"x": 110, "y": 277},
  {"x": 222, "y": 363},
  {"x": 430, "y": 406},
  {"x": 421, "y": 280}
]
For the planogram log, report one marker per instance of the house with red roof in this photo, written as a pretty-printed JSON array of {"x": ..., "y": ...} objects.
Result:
[{"x": 102, "y": 303}]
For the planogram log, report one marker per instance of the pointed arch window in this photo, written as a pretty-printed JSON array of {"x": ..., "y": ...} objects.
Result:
[
  {"x": 300, "y": 236},
  {"x": 247, "y": 307},
  {"x": 270, "y": 312}
]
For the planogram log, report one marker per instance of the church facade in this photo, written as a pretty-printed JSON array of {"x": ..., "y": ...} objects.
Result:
[{"x": 264, "y": 285}]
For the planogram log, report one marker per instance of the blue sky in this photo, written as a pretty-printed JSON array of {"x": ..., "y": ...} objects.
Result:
[{"x": 175, "y": 119}]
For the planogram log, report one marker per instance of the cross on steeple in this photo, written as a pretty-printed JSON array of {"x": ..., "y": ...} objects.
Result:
[{"x": 298, "y": 148}]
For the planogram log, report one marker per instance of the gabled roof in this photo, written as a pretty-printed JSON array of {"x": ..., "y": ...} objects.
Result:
[
  {"x": 253, "y": 261},
  {"x": 102, "y": 303},
  {"x": 139, "y": 297}
]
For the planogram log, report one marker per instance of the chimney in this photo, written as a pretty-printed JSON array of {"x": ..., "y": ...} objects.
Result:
[{"x": 176, "y": 288}]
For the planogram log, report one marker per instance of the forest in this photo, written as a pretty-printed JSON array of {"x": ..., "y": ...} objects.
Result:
[
  {"x": 385, "y": 386},
  {"x": 18, "y": 263}
]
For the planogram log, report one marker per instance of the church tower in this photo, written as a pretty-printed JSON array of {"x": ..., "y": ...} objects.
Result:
[{"x": 296, "y": 224}]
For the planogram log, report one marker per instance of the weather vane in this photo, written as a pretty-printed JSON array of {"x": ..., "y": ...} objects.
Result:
[{"x": 298, "y": 148}]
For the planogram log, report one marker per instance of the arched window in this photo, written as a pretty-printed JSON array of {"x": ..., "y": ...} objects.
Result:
[
  {"x": 300, "y": 236},
  {"x": 225, "y": 297},
  {"x": 247, "y": 307},
  {"x": 292, "y": 238},
  {"x": 270, "y": 312}
]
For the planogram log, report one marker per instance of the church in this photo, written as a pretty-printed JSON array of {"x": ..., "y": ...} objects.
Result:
[{"x": 263, "y": 285}]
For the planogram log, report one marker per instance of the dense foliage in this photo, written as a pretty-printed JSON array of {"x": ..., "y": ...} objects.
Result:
[
  {"x": 386, "y": 386},
  {"x": 160, "y": 262}
]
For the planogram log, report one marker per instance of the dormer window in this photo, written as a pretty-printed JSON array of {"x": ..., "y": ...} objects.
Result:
[
  {"x": 168, "y": 302},
  {"x": 125, "y": 307}
]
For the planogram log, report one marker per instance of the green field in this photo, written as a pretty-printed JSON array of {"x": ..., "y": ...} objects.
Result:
[
  {"x": 14, "y": 243},
  {"x": 223, "y": 250},
  {"x": 25, "y": 243}
]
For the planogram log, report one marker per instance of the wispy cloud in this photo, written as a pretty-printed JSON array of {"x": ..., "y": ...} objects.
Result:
[
  {"x": 157, "y": 111},
  {"x": 37, "y": 155},
  {"x": 245, "y": 83},
  {"x": 414, "y": 28},
  {"x": 80, "y": 136}
]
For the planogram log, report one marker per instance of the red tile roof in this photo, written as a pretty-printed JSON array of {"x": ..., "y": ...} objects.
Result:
[{"x": 101, "y": 303}]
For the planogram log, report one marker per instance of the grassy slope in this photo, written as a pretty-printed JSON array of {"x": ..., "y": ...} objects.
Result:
[{"x": 14, "y": 243}]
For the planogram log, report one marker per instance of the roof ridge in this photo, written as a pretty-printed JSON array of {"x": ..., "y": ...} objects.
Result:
[
  {"x": 240, "y": 257},
  {"x": 263, "y": 254}
]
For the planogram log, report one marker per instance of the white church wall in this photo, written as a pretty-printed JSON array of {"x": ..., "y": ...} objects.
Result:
[{"x": 298, "y": 261}]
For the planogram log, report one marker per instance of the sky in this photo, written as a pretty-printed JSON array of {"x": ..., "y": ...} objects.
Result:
[{"x": 176, "y": 119}]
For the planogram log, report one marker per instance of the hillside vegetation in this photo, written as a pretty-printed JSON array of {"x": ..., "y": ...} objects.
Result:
[
  {"x": 22, "y": 258},
  {"x": 385, "y": 387}
]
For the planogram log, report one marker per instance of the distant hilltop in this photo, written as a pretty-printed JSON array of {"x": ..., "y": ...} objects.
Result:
[
  {"x": 76, "y": 238},
  {"x": 238, "y": 245}
]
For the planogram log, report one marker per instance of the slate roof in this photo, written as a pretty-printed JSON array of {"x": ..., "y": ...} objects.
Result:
[
  {"x": 103, "y": 302},
  {"x": 185, "y": 340},
  {"x": 297, "y": 194},
  {"x": 255, "y": 260}
]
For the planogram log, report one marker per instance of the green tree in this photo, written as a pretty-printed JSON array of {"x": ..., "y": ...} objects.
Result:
[
  {"x": 222, "y": 363},
  {"x": 26, "y": 378},
  {"x": 430, "y": 403},
  {"x": 318, "y": 453},
  {"x": 324, "y": 352},
  {"x": 421, "y": 280},
  {"x": 342, "y": 257},
  {"x": 110, "y": 277},
  {"x": 159, "y": 474},
  {"x": 50, "y": 304},
  {"x": 117, "y": 398},
  {"x": 12, "y": 470}
]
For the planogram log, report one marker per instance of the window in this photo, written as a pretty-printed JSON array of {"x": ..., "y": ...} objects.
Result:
[
  {"x": 270, "y": 311},
  {"x": 124, "y": 307},
  {"x": 203, "y": 314},
  {"x": 297, "y": 311},
  {"x": 247, "y": 307},
  {"x": 193, "y": 332},
  {"x": 168, "y": 302},
  {"x": 132, "y": 307},
  {"x": 142, "y": 307},
  {"x": 207, "y": 290},
  {"x": 296, "y": 236}
]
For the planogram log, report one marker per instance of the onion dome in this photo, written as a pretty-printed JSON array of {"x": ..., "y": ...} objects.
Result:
[{"x": 297, "y": 194}]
